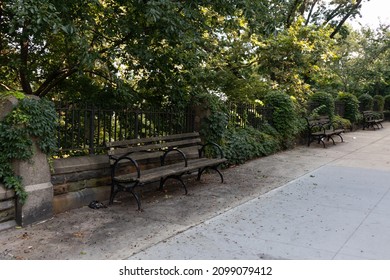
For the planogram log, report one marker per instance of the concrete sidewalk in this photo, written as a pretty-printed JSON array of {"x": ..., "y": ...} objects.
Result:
[
  {"x": 337, "y": 211},
  {"x": 306, "y": 203}
]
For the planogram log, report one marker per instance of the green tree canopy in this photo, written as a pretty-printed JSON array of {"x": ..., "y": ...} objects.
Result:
[{"x": 164, "y": 50}]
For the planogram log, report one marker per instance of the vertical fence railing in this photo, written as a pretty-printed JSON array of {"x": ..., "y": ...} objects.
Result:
[
  {"x": 339, "y": 107},
  {"x": 85, "y": 129},
  {"x": 249, "y": 114}
]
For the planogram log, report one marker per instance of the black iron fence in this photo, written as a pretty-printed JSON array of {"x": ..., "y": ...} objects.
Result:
[
  {"x": 85, "y": 129},
  {"x": 249, "y": 114},
  {"x": 338, "y": 106}
]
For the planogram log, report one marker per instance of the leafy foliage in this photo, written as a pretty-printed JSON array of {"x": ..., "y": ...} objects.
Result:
[
  {"x": 241, "y": 144},
  {"x": 30, "y": 119},
  {"x": 284, "y": 116},
  {"x": 366, "y": 102},
  {"x": 326, "y": 101},
  {"x": 387, "y": 103},
  {"x": 351, "y": 106},
  {"x": 379, "y": 103}
]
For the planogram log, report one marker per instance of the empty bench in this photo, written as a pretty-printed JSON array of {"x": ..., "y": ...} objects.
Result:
[
  {"x": 321, "y": 128},
  {"x": 372, "y": 119},
  {"x": 137, "y": 162}
]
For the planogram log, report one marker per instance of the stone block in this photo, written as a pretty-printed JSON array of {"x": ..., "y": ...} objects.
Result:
[
  {"x": 36, "y": 171},
  {"x": 7, "y": 105},
  {"x": 39, "y": 204},
  {"x": 60, "y": 189},
  {"x": 6, "y": 193},
  {"x": 7, "y": 214},
  {"x": 7, "y": 225},
  {"x": 73, "y": 200},
  {"x": 36, "y": 181}
]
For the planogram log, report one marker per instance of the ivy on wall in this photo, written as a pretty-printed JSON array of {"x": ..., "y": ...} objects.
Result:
[{"x": 30, "y": 119}]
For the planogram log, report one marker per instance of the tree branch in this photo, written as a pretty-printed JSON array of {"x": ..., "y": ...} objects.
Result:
[
  {"x": 344, "y": 19},
  {"x": 24, "y": 45},
  {"x": 54, "y": 79}
]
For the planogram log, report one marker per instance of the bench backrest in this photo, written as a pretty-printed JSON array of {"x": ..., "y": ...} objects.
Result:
[
  {"x": 372, "y": 115},
  {"x": 318, "y": 120},
  {"x": 152, "y": 145}
]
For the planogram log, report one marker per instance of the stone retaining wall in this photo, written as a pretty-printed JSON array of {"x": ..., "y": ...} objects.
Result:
[
  {"x": 7, "y": 207},
  {"x": 79, "y": 180}
]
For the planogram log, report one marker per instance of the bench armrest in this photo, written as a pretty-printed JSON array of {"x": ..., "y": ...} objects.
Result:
[
  {"x": 174, "y": 150},
  {"x": 126, "y": 157},
  {"x": 202, "y": 150}
]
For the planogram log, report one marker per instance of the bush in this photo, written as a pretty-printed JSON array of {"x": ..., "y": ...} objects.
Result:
[
  {"x": 366, "y": 102},
  {"x": 386, "y": 106},
  {"x": 379, "y": 103},
  {"x": 284, "y": 116},
  {"x": 322, "y": 103},
  {"x": 214, "y": 126},
  {"x": 351, "y": 106},
  {"x": 346, "y": 123},
  {"x": 242, "y": 144}
]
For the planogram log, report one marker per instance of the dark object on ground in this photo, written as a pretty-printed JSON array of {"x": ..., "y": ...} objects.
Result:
[{"x": 96, "y": 205}]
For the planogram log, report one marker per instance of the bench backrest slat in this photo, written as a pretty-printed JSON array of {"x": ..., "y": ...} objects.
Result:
[
  {"x": 151, "y": 139},
  {"x": 153, "y": 143}
]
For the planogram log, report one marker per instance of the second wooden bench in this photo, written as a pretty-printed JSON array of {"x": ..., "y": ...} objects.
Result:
[{"x": 321, "y": 128}]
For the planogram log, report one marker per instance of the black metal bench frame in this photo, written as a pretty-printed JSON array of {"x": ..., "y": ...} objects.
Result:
[
  {"x": 372, "y": 119},
  {"x": 177, "y": 155},
  {"x": 322, "y": 128}
]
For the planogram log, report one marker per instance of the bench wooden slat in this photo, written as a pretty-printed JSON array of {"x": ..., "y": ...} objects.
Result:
[
  {"x": 156, "y": 146},
  {"x": 155, "y": 174},
  {"x": 151, "y": 139}
]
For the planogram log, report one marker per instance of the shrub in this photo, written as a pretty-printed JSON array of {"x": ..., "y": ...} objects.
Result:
[
  {"x": 323, "y": 103},
  {"x": 379, "y": 103},
  {"x": 351, "y": 106},
  {"x": 386, "y": 106},
  {"x": 366, "y": 102},
  {"x": 214, "y": 126},
  {"x": 346, "y": 123},
  {"x": 284, "y": 116},
  {"x": 242, "y": 144}
]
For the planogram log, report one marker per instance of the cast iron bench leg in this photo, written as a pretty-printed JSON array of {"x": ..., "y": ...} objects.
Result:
[
  {"x": 176, "y": 177},
  {"x": 115, "y": 188},
  {"x": 201, "y": 170}
]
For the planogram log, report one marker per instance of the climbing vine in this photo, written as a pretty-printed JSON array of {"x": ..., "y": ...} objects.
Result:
[{"x": 30, "y": 119}]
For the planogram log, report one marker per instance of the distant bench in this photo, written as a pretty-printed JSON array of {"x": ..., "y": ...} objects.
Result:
[
  {"x": 372, "y": 119},
  {"x": 322, "y": 128},
  {"x": 167, "y": 157}
]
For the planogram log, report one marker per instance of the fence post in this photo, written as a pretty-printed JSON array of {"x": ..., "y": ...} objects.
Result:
[
  {"x": 136, "y": 124},
  {"x": 200, "y": 112},
  {"x": 92, "y": 132}
]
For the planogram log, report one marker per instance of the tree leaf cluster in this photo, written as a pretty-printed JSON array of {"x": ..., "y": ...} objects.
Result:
[{"x": 162, "y": 51}]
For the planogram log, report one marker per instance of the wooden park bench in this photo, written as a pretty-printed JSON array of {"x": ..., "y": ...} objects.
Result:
[
  {"x": 321, "y": 128},
  {"x": 372, "y": 119},
  {"x": 137, "y": 162}
]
